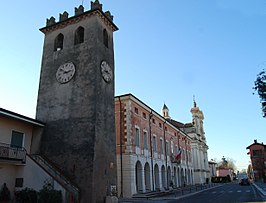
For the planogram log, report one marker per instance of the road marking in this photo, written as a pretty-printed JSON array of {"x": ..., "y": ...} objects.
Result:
[
  {"x": 248, "y": 191},
  {"x": 213, "y": 192},
  {"x": 239, "y": 191},
  {"x": 230, "y": 191}
]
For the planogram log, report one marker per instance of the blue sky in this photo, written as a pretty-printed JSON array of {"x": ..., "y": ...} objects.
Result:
[{"x": 165, "y": 51}]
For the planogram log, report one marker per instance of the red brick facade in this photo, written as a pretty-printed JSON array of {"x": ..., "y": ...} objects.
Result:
[
  {"x": 147, "y": 144},
  {"x": 149, "y": 121},
  {"x": 257, "y": 152}
]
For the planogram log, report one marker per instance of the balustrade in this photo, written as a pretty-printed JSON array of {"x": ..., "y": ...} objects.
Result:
[{"x": 12, "y": 153}]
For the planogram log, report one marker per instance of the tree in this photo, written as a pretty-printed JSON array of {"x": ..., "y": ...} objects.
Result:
[
  {"x": 227, "y": 162},
  {"x": 260, "y": 88},
  {"x": 48, "y": 194},
  {"x": 249, "y": 171}
]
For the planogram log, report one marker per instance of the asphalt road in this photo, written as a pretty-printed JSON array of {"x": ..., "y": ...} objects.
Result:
[{"x": 227, "y": 193}]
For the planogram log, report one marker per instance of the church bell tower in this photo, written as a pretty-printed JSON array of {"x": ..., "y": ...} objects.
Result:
[{"x": 76, "y": 99}]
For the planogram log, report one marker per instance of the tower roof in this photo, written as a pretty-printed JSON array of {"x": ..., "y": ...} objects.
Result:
[
  {"x": 165, "y": 107},
  {"x": 80, "y": 14}
]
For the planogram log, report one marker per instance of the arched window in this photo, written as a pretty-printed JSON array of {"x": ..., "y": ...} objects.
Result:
[
  {"x": 105, "y": 38},
  {"x": 58, "y": 43},
  {"x": 79, "y": 36}
]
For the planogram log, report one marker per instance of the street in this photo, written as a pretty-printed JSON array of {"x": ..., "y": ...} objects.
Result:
[
  {"x": 232, "y": 192},
  {"x": 226, "y": 193}
]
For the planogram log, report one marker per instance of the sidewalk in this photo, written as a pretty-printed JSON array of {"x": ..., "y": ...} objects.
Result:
[
  {"x": 261, "y": 187},
  {"x": 167, "y": 195},
  {"x": 187, "y": 191}
]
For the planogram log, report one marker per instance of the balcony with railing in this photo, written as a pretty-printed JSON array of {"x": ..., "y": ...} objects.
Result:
[{"x": 11, "y": 154}]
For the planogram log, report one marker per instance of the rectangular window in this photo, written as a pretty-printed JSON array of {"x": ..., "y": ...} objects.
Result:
[
  {"x": 144, "y": 115},
  {"x": 145, "y": 141},
  {"x": 136, "y": 110},
  {"x": 161, "y": 146},
  {"x": 154, "y": 144},
  {"x": 172, "y": 147},
  {"x": 167, "y": 148},
  {"x": 17, "y": 139},
  {"x": 257, "y": 152},
  {"x": 137, "y": 137},
  {"x": 19, "y": 182}
]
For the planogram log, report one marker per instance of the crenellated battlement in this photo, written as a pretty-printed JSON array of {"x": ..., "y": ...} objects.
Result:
[
  {"x": 50, "y": 21},
  {"x": 79, "y": 10},
  {"x": 96, "y": 5},
  {"x": 63, "y": 16},
  {"x": 108, "y": 14}
]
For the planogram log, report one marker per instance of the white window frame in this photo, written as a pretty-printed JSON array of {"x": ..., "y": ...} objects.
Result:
[
  {"x": 154, "y": 143},
  {"x": 161, "y": 146},
  {"x": 167, "y": 148},
  {"x": 23, "y": 138},
  {"x": 145, "y": 140},
  {"x": 137, "y": 136}
]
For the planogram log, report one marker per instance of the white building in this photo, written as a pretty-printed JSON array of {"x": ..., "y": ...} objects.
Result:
[
  {"x": 20, "y": 167},
  {"x": 199, "y": 146}
]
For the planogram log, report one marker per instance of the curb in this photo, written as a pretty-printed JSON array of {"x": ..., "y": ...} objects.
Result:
[
  {"x": 183, "y": 196},
  {"x": 263, "y": 192}
]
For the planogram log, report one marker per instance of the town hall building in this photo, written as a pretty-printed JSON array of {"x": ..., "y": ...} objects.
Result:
[{"x": 154, "y": 151}]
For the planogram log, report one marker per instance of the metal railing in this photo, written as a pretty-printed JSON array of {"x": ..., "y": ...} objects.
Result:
[{"x": 12, "y": 153}]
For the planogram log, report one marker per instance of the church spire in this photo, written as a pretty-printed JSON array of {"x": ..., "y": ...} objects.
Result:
[
  {"x": 165, "y": 111},
  {"x": 197, "y": 118}
]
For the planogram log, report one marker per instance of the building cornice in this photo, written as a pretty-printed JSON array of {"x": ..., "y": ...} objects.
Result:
[
  {"x": 16, "y": 116},
  {"x": 78, "y": 18},
  {"x": 149, "y": 109}
]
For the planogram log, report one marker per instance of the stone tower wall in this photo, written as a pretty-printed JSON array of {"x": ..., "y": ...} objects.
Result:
[{"x": 79, "y": 137}]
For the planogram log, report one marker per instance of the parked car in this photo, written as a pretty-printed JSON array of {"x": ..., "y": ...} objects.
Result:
[{"x": 244, "y": 181}]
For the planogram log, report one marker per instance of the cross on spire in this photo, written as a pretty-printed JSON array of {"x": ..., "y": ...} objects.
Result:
[{"x": 194, "y": 101}]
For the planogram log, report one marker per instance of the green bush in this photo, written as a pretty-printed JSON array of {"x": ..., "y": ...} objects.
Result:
[
  {"x": 46, "y": 195},
  {"x": 220, "y": 179},
  {"x": 49, "y": 195},
  {"x": 26, "y": 195}
]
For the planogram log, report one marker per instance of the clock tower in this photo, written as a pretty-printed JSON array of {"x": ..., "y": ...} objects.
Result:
[{"x": 76, "y": 100}]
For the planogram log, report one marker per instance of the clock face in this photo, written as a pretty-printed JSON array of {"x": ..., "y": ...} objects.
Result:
[
  {"x": 106, "y": 71},
  {"x": 65, "y": 72}
]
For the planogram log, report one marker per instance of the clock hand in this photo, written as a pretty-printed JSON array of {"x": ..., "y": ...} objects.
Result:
[{"x": 66, "y": 71}]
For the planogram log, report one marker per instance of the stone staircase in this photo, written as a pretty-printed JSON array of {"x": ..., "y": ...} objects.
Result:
[{"x": 73, "y": 192}]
